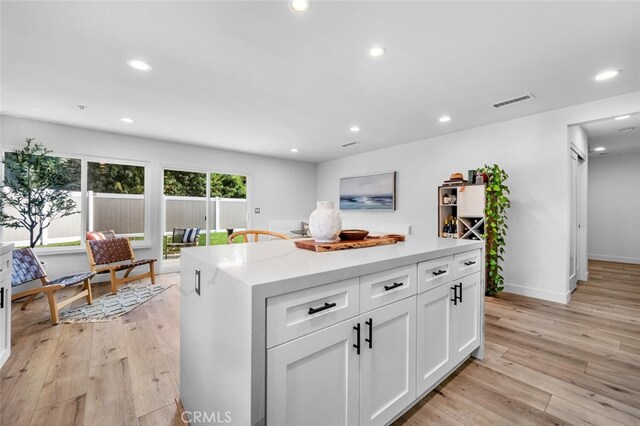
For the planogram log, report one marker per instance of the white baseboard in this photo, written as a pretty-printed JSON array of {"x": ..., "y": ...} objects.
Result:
[
  {"x": 618, "y": 259},
  {"x": 550, "y": 296}
]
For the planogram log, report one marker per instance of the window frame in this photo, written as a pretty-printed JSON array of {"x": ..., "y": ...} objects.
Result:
[{"x": 84, "y": 201}]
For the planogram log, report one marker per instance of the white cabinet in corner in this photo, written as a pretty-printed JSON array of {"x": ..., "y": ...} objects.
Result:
[{"x": 5, "y": 303}]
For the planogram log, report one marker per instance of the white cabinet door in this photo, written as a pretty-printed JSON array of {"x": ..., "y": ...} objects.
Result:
[
  {"x": 313, "y": 380},
  {"x": 387, "y": 364},
  {"x": 465, "y": 318},
  {"x": 434, "y": 339}
]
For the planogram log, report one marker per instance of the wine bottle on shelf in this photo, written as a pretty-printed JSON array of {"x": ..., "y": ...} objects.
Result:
[
  {"x": 455, "y": 228},
  {"x": 445, "y": 229}
]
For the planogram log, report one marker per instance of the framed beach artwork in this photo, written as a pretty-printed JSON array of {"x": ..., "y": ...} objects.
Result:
[{"x": 370, "y": 192}]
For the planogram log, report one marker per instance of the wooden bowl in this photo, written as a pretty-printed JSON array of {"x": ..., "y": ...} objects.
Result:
[{"x": 353, "y": 234}]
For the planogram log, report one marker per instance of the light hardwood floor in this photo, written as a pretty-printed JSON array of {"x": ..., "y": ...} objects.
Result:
[{"x": 546, "y": 363}]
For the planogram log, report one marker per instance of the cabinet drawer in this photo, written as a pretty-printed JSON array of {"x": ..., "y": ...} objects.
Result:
[
  {"x": 434, "y": 272},
  {"x": 386, "y": 287},
  {"x": 302, "y": 312},
  {"x": 466, "y": 263}
]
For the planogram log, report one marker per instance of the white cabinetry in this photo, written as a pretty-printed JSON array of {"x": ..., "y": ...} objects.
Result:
[
  {"x": 388, "y": 362},
  {"x": 449, "y": 324},
  {"x": 434, "y": 341},
  {"x": 314, "y": 380},
  {"x": 466, "y": 317},
  {"x": 5, "y": 303},
  {"x": 360, "y": 371}
]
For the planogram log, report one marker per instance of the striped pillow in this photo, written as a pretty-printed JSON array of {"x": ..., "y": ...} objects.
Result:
[{"x": 190, "y": 235}]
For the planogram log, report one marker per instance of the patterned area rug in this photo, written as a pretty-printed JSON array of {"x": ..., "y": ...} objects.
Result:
[{"x": 109, "y": 306}]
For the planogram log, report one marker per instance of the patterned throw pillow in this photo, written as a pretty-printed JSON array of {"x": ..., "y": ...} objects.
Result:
[
  {"x": 95, "y": 236},
  {"x": 190, "y": 235}
]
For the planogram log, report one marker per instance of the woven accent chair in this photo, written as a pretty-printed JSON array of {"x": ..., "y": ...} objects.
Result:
[
  {"x": 177, "y": 239},
  {"x": 256, "y": 234},
  {"x": 115, "y": 255},
  {"x": 26, "y": 267}
]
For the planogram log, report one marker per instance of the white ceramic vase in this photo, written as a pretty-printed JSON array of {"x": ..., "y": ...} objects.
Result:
[{"x": 325, "y": 222}]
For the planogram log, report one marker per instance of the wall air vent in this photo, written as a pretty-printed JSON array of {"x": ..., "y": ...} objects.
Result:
[
  {"x": 348, "y": 144},
  {"x": 514, "y": 100}
]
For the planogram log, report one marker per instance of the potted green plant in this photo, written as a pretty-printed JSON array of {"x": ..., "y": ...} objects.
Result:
[{"x": 495, "y": 230}]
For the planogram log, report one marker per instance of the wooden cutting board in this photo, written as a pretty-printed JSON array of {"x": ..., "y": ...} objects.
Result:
[{"x": 343, "y": 245}]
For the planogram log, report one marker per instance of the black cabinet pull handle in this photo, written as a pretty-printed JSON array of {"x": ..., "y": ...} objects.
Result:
[
  {"x": 321, "y": 308},
  {"x": 455, "y": 294},
  {"x": 357, "y": 345},
  {"x": 439, "y": 272},
  {"x": 1, "y": 297},
  {"x": 460, "y": 296},
  {"x": 370, "y": 339},
  {"x": 469, "y": 263},
  {"x": 391, "y": 287}
]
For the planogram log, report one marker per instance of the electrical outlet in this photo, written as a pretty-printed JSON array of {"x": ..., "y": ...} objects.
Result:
[
  {"x": 256, "y": 210},
  {"x": 198, "y": 282}
]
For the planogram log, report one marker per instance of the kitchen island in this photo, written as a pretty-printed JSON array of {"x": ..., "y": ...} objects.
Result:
[{"x": 272, "y": 334}]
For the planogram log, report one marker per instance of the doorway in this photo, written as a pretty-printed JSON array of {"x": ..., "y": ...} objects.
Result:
[
  {"x": 604, "y": 195},
  {"x": 199, "y": 208}
]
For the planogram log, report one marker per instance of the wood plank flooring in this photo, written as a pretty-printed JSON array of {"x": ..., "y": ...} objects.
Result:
[
  {"x": 123, "y": 372},
  {"x": 545, "y": 363},
  {"x": 548, "y": 363}
]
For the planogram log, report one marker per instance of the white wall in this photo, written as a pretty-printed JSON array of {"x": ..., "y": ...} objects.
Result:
[
  {"x": 614, "y": 208},
  {"x": 282, "y": 189},
  {"x": 535, "y": 152}
]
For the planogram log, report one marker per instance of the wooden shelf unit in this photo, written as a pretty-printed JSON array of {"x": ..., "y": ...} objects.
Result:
[{"x": 468, "y": 209}]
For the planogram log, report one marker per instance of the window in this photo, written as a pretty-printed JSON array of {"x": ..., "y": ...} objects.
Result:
[
  {"x": 115, "y": 194},
  {"x": 114, "y": 198},
  {"x": 60, "y": 180}
]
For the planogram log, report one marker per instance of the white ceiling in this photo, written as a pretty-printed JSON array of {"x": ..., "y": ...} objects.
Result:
[
  {"x": 607, "y": 133},
  {"x": 255, "y": 77}
]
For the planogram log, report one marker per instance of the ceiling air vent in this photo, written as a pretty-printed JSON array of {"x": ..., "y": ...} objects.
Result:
[
  {"x": 348, "y": 144},
  {"x": 514, "y": 100}
]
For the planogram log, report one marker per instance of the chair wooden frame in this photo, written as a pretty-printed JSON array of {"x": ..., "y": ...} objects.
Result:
[
  {"x": 50, "y": 289},
  {"x": 126, "y": 265},
  {"x": 256, "y": 234}
]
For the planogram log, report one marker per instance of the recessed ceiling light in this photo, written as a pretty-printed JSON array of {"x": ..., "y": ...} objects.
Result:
[
  {"x": 300, "y": 5},
  {"x": 606, "y": 75},
  {"x": 126, "y": 120},
  {"x": 354, "y": 129},
  {"x": 294, "y": 150},
  {"x": 138, "y": 65},
  {"x": 444, "y": 119},
  {"x": 622, "y": 117},
  {"x": 376, "y": 51},
  {"x": 82, "y": 107},
  {"x": 600, "y": 148}
]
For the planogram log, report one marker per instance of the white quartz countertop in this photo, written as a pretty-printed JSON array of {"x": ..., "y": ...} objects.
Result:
[{"x": 261, "y": 263}]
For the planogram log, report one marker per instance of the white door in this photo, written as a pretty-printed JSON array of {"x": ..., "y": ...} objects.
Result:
[
  {"x": 465, "y": 319},
  {"x": 313, "y": 380},
  {"x": 388, "y": 362},
  {"x": 573, "y": 231},
  {"x": 434, "y": 336}
]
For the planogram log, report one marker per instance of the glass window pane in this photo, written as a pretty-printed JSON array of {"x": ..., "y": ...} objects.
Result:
[
  {"x": 59, "y": 178},
  {"x": 116, "y": 199}
]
